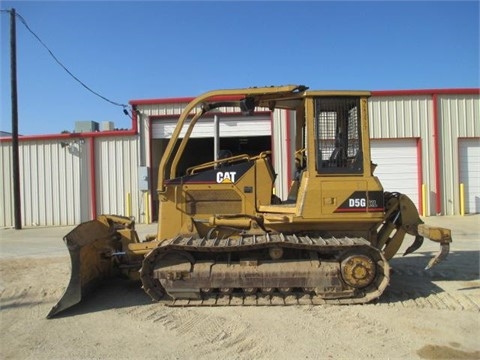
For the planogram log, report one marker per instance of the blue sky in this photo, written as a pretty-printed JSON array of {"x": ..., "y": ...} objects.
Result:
[{"x": 135, "y": 50}]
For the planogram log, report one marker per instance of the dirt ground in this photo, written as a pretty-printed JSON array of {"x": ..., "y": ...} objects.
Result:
[{"x": 431, "y": 314}]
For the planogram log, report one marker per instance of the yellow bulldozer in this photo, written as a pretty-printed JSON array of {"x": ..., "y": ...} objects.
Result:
[{"x": 223, "y": 236}]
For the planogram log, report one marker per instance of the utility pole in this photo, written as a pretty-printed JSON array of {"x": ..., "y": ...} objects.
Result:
[{"x": 15, "y": 157}]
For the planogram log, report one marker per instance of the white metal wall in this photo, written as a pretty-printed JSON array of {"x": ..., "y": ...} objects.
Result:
[
  {"x": 399, "y": 116},
  {"x": 469, "y": 162},
  {"x": 459, "y": 118},
  {"x": 144, "y": 113},
  {"x": 177, "y": 108},
  {"x": 283, "y": 144},
  {"x": 6, "y": 187},
  {"x": 408, "y": 118},
  {"x": 54, "y": 183},
  {"x": 56, "y": 180},
  {"x": 117, "y": 176}
]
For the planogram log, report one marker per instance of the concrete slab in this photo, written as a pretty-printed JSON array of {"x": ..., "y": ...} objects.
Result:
[{"x": 47, "y": 241}]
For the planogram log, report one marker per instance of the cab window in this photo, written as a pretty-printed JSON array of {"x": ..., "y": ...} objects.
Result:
[{"x": 338, "y": 135}]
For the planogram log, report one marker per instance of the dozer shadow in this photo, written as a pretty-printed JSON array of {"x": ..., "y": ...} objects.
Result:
[
  {"x": 114, "y": 293},
  {"x": 409, "y": 281}
]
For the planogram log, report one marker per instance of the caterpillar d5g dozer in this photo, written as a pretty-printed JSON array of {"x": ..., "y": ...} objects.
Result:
[{"x": 224, "y": 239}]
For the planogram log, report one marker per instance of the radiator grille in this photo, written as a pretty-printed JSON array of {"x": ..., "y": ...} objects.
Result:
[{"x": 213, "y": 202}]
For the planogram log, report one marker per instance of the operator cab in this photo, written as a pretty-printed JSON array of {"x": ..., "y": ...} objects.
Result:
[
  {"x": 338, "y": 135},
  {"x": 332, "y": 156}
]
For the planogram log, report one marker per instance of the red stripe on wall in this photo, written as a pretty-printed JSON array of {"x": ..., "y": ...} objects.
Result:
[
  {"x": 436, "y": 144},
  {"x": 419, "y": 175},
  {"x": 462, "y": 91}
]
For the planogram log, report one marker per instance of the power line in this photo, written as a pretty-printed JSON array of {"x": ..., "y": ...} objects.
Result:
[{"x": 24, "y": 22}]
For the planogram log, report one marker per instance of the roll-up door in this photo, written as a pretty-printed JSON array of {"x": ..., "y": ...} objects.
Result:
[
  {"x": 397, "y": 166},
  {"x": 230, "y": 126},
  {"x": 469, "y": 156}
]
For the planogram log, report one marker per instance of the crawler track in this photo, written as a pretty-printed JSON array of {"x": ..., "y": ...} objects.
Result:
[{"x": 327, "y": 252}]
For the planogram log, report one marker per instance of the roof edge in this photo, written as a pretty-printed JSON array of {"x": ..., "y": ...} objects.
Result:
[{"x": 410, "y": 92}]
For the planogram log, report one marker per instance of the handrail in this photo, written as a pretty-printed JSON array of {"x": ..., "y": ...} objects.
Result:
[
  {"x": 229, "y": 160},
  {"x": 288, "y": 89}
]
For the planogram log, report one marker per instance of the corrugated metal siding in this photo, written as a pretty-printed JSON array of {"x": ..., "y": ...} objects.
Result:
[
  {"x": 399, "y": 117},
  {"x": 116, "y": 175},
  {"x": 459, "y": 116},
  {"x": 54, "y": 183},
  {"x": 55, "y": 186},
  {"x": 412, "y": 117},
  {"x": 396, "y": 117},
  {"x": 282, "y": 146},
  {"x": 161, "y": 109},
  {"x": 6, "y": 204},
  {"x": 177, "y": 108}
]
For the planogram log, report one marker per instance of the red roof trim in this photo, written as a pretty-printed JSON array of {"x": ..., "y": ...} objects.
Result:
[
  {"x": 83, "y": 135},
  {"x": 186, "y": 100},
  {"x": 421, "y": 205},
  {"x": 161, "y": 101},
  {"x": 461, "y": 91}
]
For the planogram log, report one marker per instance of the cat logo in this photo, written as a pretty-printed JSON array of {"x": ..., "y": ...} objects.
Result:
[{"x": 226, "y": 177}]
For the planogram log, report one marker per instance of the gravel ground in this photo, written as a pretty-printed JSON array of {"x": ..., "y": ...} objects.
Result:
[{"x": 422, "y": 315}]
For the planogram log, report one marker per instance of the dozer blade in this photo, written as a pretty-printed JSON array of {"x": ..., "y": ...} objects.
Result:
[{"x": 91, "y": 245}]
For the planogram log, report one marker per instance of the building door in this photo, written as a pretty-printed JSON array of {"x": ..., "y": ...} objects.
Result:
[
  {"x": 397, "y": 166},
  {"x": 469, "y": 167}
]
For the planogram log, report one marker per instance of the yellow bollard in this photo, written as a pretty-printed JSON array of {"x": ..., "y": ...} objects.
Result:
[
  {"x": 424, "y": 200},
  {"x": 462, "y": 199},
  {"x": 128, "y": 204},
  {"x": 146, "y": 201}
]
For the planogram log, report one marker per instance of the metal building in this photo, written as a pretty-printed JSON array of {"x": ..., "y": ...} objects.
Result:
[
  {"x": 426, "y": 144},
  {"x": 70, "y": 178}
]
